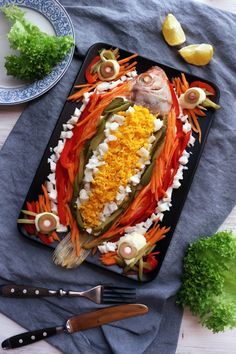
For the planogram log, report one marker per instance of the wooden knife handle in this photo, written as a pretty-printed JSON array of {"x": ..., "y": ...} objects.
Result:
[
  {"x": 24, "y": 291},
  {"x": 30, "y": 337},
  {"x": 106, "y": 315}
]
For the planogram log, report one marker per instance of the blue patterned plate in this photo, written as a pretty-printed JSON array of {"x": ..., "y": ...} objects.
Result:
[{"x": 51, "y": 17}]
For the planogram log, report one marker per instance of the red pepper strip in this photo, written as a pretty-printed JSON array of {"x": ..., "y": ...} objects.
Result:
[
  {"x": 91, "y": 78},
  {"x": 70, "y": 153},
  {"x": 204, "y": 86},
  {"x": 152, "y": 261},
  {"x": 175, "y": 103},
  {"x": 175, "y": 161},
  {"x": 185, "y": 141},
  {"x": 94, "y": 99},
  {"x": 179, "y": 126},
  {"x": 64, "y": 158},
  {"x": 30, "y": 229},
  {"x": 45, "y": 238},
  {"x": 145, "y": 212},
  {"x": 66, "y": 168}
]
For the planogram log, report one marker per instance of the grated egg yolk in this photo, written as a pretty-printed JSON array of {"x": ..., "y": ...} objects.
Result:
[{"x": 121, "y": 161}]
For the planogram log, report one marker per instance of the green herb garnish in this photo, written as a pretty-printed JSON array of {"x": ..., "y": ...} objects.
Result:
[
  {"x": 209, "y": 281},
  {"x": 38, "y": 52}
]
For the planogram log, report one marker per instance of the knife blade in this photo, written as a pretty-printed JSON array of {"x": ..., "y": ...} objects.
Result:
[{"x": 77, "y": 323}]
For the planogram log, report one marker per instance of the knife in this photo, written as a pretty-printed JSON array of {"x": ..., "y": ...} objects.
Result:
[{"x": 77, "y": 323}]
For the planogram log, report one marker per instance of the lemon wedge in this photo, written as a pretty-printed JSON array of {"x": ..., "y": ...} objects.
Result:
[
  {"x": 172, "y": 31},
  {"x": 197, "y": 54}
]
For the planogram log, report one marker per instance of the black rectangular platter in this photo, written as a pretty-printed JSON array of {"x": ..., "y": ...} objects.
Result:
[{"x": 179, "y": 195}]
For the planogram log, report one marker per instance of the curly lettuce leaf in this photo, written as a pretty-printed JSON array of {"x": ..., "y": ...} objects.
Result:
[{"x": 38, "y": 52}]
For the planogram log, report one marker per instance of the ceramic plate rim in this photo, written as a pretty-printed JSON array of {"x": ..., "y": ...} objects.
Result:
[{"x": 53, "y": 11}]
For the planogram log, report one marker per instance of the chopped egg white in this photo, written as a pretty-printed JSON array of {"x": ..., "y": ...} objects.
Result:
[
  {"x": 135, "y": 180},
  {"x": 158, "y": 124},
  {"x": 104, "y": 86},
  {"x": 187, "y": 127},
  {"x": 107, "y": 247},
  {"x": 163, "y": 206},
  {"x": 83, "y": 194},
  {"x": 143, "y": 152},
  {"x": 117, "y": 118},
  {"x": 53, "y": 195},
  {"x": 191, "y": 141},
  {"x": 77, "y": 112},
  {"x": 52, "y": 178},
  {"x": 112, "y": 125},
  {"x": 184, "y": 158},
  {"x": 111, "y": 137}
]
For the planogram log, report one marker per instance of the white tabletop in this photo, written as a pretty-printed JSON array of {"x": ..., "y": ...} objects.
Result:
[{"x": 193, "y": 338}]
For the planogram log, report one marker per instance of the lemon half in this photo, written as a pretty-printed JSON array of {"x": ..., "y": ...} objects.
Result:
[
  {"x": 172, "y": 31},
  {"x": 197, "y": 54}
]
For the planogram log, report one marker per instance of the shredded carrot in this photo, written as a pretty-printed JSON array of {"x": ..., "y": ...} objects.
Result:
[
  {"x": 94, "y": 251},
  {"x": 127, "y": 68},
  {"x": 172, "y": 151},
  {"x": 77, "y": 95},
  {"x": 47, "y": 201},
  {"x": 149, "y": 234},
  {"x": 125, "y": 60},
  {"x": 83, "y": 85},
  {"x": 37, "y": 207},
  {"x": 194, "y": 117},
  {"x": 193, "y": 114},
  {"x": 113, "y": 231},
  {"x": 137, "y": 200},
  {"x": 69, "y": 215},
  {"x": 170, "y": 134},
  {"x": 177, "y": 84},
  {"x": 55, "y": 236},
  {"x": 83, "y": 88},
  {"x": 185, "y": 82},
  {"x": 94, "y": 100},
  {"x": 121, "y": 89},
  {"x": 108, "y": 258},
  {"x": 106, "y": 98},
  {"x": 156, "y": 233},
  {"x": 194, "y": 128},
  {"x": 199, "y": 112},
  {"x": 125, "y": 72},
  {"x": 41, "y": 204}
]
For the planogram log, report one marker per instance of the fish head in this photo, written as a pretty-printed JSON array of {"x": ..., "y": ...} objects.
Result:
[{"x": 151, "y": 89}]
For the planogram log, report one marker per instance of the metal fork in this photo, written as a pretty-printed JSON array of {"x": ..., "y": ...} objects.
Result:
[{"x": 100, "y": 294}]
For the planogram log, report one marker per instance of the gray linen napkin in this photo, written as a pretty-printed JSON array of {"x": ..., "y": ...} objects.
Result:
[{"x": 132, "y": 25}]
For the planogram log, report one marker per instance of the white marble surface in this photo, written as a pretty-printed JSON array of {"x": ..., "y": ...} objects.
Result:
[{"x": 193, "y": 338}]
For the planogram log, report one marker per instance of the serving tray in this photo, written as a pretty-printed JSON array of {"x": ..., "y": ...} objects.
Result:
[{"x": 179, "y": 195}]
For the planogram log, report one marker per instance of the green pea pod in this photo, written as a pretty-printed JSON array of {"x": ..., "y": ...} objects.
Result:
[
  {"x": 156, "y": 150},
  {"x": 118, "y": 101},
  {"x": 79, "y": 176},
  {"x": 140, "y": 269},
  {"x": 79, "y": 219},
  {"x": 208, "y": 103},
  {"x": 97, "y": 139},
  {"x": 120, "y": 261},
  {"x": 120, "y": 108}
]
